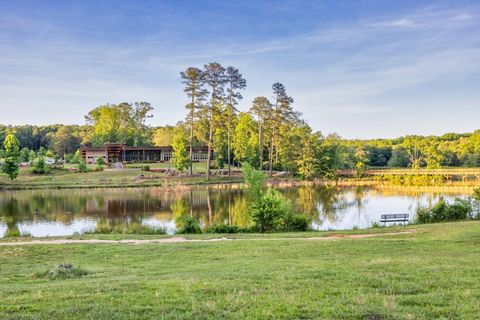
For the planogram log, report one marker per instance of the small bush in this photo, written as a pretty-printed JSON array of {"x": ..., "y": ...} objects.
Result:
[
  {"x": 40, "y": 167},
  {"x": 376, "y": 225},
  {"x": 62, "y": 271},
  {"x": 100, "y": 161},
  {"x": 461, "y": 209},
  {"x": 82, "y": 167},
  {"x": 187, "y": 224},
  {"x": 224, "y": 228},
  {"x": 423, "y": 215},
  {"x": 145, "y": 168},
  {"x": 268, "y": 212},
  {"x": 297, "y": 222}
]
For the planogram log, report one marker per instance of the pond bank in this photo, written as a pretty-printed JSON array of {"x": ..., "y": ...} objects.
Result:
[{"x": 177, "y": 239}]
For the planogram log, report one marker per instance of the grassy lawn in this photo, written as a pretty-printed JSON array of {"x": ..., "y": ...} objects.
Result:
[
  {"x": 107, "y": 178},
  {"x": 430, "y": 274},
  {"x": 197, "y": 166}
]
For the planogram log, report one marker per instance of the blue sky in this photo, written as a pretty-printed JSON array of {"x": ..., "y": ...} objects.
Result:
[{"x": 362, "y": 69}]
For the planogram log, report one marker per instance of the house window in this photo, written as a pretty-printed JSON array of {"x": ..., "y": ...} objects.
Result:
[{"x": 167, "y": 156}]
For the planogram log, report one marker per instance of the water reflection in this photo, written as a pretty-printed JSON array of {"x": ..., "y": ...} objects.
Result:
[{"x": 65, "y": 212}]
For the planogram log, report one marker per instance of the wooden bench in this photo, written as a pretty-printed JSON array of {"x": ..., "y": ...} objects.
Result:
[{"x": 398, "y": 217}]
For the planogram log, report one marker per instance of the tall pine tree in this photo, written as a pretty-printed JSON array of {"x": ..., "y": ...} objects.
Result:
[{"x": 194, "y": 81}]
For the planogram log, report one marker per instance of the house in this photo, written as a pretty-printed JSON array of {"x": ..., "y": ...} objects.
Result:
[{"x": 117, "y": 152}]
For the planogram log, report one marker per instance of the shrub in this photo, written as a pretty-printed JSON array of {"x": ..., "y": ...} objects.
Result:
[
  {"x": 269, "y": 211},
  {"x": 225, "y": 228},
  {"x": 424, "y": 215},
  {"x": 100, "y": 164},
  {"x": 100, "y": 161},
  {"x": 145, "y": 168},
  {"x": 73, "y": 158},
  {"x": 40, "y": 167},
  {"x": 376, "y": 225},
  {"x": 461, "y": 209},
  {"x": 82, "y": 167},
  {"x": 187, "y": 224},
  {"x": 297, "y": 222}
]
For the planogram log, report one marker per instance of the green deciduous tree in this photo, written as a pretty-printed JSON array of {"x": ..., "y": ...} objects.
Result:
[
  {"x": 399, "y": 158},
  {"x": 65, "y": 140},
  {"x": 308, "y": 162},
  {"x": 24, "y": 155},
  {"x": 121, "y": 123},
  {"x": 12, "y": 152},
  {"x": 163, "y": 136},
  {"x": 139, "y": 113},
  {"x": 180, "y": 143},
  {"x": 245, "y": 140}
]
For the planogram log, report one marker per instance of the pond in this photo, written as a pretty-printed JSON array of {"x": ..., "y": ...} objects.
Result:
[{"x": 66, "y": 212}]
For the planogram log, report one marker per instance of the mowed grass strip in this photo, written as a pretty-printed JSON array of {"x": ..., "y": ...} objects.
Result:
[
  {"x": 105, "y": 179},
  {"x": 430, "y": 274}
]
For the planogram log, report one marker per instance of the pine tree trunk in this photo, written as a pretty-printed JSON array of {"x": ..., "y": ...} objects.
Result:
[
  {"x": 270, "y": 156},
  {"x": 228, "y": 144},
  {"x": 192, "y": 111},
  {"x": 260, "y": 144},
  {"x": 209, "y": 156},
  {"x": 210, "y": 136}
]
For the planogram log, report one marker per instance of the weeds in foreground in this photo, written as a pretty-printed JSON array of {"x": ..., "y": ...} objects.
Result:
[
  {"x": 61, "y": 272},
  {"x": 132, "y": 228},
  {"x": 16, "y": 233}
]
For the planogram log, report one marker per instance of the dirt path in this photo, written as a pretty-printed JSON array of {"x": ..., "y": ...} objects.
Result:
[{"x": 183, "y": 240}]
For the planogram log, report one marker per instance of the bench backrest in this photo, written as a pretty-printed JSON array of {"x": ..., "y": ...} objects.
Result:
[{"x": 395, "y": 216}]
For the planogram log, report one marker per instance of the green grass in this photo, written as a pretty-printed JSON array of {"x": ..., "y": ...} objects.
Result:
[
  {"x": 430, "y": 274},
  {"x": 197, "y": 166},
  {"x": 108, "y": 179}
]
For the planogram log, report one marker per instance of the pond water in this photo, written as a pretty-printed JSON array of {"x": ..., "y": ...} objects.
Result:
[{"x": 66, "y": 212}]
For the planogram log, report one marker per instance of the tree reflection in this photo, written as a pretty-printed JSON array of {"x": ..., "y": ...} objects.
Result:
[
  {"x": 12, "y": 217},
  {"x": 124, "y": 207}
]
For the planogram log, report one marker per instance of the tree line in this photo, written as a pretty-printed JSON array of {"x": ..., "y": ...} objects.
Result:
[{"x": 270, "y": 135}]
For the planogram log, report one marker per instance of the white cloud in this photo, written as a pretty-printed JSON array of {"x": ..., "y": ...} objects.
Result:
[{"x": 404, "y": 22}]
